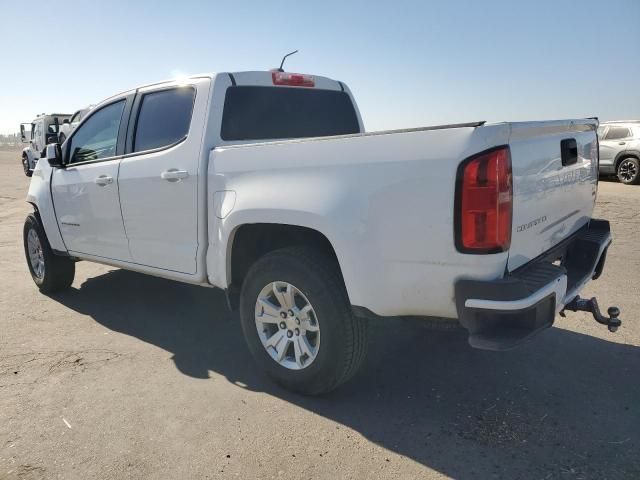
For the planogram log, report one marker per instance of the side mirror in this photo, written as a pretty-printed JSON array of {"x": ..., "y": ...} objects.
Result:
[
  {"x": 23, "y": 134},
  {"x": 54, "y": 155}
]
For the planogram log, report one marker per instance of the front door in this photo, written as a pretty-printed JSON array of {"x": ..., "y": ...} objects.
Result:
[
  {"x": 159, "y": 175},
  {"x": 85, "y": 192}
]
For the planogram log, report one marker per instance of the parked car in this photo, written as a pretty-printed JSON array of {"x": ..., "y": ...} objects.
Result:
[
  {"x": 264, "y": 184},
  {"x": 69, "y": 125},
  {"x": 42, "y": 130},
  {"x": 620, "y": 150}
]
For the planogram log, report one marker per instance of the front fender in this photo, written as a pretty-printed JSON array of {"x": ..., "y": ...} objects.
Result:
[
  {"x": 39, "y": 196},
  {"x": 31, "y": 157}
]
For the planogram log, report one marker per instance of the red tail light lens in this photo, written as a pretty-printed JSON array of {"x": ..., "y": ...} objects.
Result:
[
  {"x": 292, "y": 79},
  {"x": 484, "y": 202}
]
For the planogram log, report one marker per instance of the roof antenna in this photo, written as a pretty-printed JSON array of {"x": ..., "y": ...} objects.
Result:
[{"x": 283, "y": 59}]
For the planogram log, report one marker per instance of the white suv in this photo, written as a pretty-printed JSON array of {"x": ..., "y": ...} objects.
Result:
[{"x": 620, "y": 150}]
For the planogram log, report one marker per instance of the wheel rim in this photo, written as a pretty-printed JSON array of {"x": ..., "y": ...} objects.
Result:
[
  {"x": 287, "y": 325},
  {"x": 628, "y": 171},
  {"x": 36, "y": 256},
  {"x": 25, "y": 164}
]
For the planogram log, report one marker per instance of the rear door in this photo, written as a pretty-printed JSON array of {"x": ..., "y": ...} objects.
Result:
[
  {"x": 85, "y": 192},
  {"x": 613, "y": 142},
  {"x": 158, "y": 177},
  {"x": 554, "y": 188}
]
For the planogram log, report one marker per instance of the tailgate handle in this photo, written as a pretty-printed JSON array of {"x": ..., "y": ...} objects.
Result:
[{"x": 568, "y": 151}]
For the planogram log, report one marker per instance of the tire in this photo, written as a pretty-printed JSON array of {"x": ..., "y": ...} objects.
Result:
[
  {"x": 628, "y": 171},
  {"x": 25, "y": 165},
  {"x": 57, "y": 272},
  {"x": 316, "y": 278}
]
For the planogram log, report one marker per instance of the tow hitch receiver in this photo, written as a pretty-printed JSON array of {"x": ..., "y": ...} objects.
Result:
[{"x": 591, "y": 305}]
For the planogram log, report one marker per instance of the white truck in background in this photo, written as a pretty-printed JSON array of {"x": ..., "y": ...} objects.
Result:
[
  {"x": 265, "y": 184},
  {"x": 38, "y": 134},
  {"x": 68, "y": 125}
]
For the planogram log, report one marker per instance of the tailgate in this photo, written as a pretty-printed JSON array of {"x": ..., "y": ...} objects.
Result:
[{"x": 555, "y": 178}]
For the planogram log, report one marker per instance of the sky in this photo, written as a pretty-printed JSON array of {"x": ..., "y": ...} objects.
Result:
[{"x": 408, "y": 63}]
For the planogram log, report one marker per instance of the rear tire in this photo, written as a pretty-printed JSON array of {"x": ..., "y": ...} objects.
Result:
[
  {"x": 316, "y": 279},
  {"x": 628, "y": 171},
  {"x": 25, "y": 165},
  {"x": 50, "y": 272}
]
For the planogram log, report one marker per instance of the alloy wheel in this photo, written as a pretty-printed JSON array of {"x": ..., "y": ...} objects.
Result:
[
  {"x": 36, "y": 255},
  {"x": 628, "y": 171},
  {"x": 287, "y": 325}
]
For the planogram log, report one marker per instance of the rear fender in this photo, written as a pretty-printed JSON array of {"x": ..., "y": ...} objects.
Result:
[
  {"x": 625, "y": 154},
  {"x": 219, "y": 257}
]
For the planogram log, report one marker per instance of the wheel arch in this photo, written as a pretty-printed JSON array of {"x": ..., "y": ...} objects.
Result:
[
  {"x": 250, "y": 241},
  {"x": 626, "y": 154}
]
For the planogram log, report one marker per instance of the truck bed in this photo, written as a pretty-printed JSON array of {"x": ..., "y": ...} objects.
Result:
[{"x": 385, "y": 202}]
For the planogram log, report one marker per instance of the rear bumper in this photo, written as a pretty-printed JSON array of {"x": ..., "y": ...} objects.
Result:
[{"x": 501, "y": 314}]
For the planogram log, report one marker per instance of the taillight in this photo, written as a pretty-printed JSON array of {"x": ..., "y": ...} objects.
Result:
[
  {"x": 484, "y": 202},
  {"x": 292, "y": 79}
]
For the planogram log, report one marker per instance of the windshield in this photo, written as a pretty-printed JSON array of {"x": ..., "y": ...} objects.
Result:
[
  {"x": 263, "y": 113},
  {"x": 51, "y": 123}
]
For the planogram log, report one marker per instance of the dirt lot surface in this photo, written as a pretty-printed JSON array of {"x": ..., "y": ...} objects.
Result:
[{"x": 127, "y": 376}]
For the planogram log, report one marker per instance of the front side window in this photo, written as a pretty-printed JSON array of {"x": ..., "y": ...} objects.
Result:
[
  {"x": 164, "y": 118},
  {"x": 615, "y": 133},
  {"x": 98, "y": 136}
]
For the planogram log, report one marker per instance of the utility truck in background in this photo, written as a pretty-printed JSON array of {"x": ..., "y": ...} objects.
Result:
[
  {"x": 265, "y": 184},
  {"x": 41, "y": 131}
]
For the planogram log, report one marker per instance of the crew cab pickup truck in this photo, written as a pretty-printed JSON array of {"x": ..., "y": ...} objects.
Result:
[{"x": 265, "y": 184}]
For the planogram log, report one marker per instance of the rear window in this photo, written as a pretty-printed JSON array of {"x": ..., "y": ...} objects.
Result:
[{"x": 263, "y": 113}]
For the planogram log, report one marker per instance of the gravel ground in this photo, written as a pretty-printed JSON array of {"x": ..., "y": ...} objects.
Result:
[{"x": 127, "y": 376}]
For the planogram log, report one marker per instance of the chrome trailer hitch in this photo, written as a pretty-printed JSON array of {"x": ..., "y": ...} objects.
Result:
[{"x": 591, "y": 305}]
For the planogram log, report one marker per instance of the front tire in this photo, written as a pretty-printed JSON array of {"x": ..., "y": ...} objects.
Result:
[
  {"x": 628, "y": 171},
  {"x": 25, "y": 165},
  {"x": 298, "y": 323},
  {"x": 50, "y": 272}
]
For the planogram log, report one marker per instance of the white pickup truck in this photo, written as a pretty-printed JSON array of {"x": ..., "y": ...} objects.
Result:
[{"x": 264, "y": 184}]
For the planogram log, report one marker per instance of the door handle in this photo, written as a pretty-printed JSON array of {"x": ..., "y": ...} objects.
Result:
[
  {"x": 104, "y": 180},
  {"x": 174, "y": 175},
  {"x": 622, "y": 143},
  {"x": 568, "y": 151}
]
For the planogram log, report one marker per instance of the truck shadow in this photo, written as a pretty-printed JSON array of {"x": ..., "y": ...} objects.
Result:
[{"x": 564, "y": 406}]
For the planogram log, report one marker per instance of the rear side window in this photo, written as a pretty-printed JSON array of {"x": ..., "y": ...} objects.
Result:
[
  {"x": 164, "y": 118},
  {"x": 617, "y": 132},
  {"x": 263, "y": 113}
]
